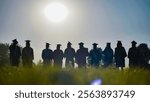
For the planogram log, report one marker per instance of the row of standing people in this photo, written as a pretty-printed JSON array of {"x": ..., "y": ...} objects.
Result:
[
  {"x": 15, "y": 54},
  {"x": 69, "y": 54},
  {"x": 138, "y": 56}
]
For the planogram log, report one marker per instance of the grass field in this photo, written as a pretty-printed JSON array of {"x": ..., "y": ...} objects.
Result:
[{"x": 55, "y": 76}]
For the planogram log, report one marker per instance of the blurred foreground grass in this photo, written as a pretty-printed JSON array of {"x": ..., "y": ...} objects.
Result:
[{"x": 54, "y": 76}]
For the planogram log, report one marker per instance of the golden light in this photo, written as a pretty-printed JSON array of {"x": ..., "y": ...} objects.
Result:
[{"x": 56, "y": 12}]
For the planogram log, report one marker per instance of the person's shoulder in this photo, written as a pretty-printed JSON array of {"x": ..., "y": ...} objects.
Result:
[
  {"x": 61, "y": 51},
  {"x": 18, "y": 48},
  {"x": 86, "y": 49},
  {"x": 123, "y": 48},
  {"x": 91, "y": 50},
  {"x": 66, "y": 49},
  {"x": 24, "y": 48},
  {"x": 31, "y": 48},
  {"x": 116, "y": 48},
  {"x": 11, "y": 45},
  {"x": 72, "y": 49},
  {"x": 131, "y": 48},
  {"x": 47, "y": 50},
  {"x": 50, "y": 50},
  {"x": 43, "y": 50},
  {"x": 111, "y": 49},
  {"x": 55, "y": 50},
  {"x": 78, "y": 50}
]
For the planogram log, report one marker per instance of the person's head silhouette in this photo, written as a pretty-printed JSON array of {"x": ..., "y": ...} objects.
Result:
[
  {"x": 95, "y": 45},
  {"x": 134, "y": 43},
  {"x": 108, "y": 45},
  {"x": 47, "y": 45},
  {"x": 81, "y": 45},
  {"x": 69, "y": 45},
  {"x": 15, "y": 42},
  {"x": 119, "y": 44},
  {"x": 58, "y": 46},
  {"x": 28, "y": 43}
]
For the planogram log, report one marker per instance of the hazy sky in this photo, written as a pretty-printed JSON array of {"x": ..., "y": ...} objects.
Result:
[{"x": 89, "y": 21}]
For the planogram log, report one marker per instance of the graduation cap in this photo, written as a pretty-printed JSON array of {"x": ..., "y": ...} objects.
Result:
[
  {"x": 94, "y": 44},
  {"x": 15, "y": 41},
  {"x": 69, "y": 43},
  {"x": 81, "y": 43},
  {"x": 119, "y": 43},
  {"x": 134, "y": 42},
  {"x": 27, "y": 41},
  {"x": 108, "y": 44},
  {"x": 47, "y": 43},
  {"x": 58, "y": 45}
]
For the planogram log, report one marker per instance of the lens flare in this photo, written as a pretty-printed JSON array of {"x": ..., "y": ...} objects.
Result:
[{"x": 96, "y": 82}]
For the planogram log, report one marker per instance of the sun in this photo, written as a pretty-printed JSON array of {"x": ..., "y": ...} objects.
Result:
[{"x": 56, "y": 12}]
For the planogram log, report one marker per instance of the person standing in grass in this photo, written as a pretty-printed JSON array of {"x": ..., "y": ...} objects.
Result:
[
  {"x": 27, "y": 55},
  {"x": 108, "y": 55},
  {"x": 47, "y": 55},
  {"x": 15, "y": 53},
  {"x": 81, "y": 55},
  {"x": 58, "y": 57},
  {"x": 120, "y": 54},
  {"x": 133, "y": 55},
  {"x": 95, "y": 56},
  {"x": 143, "y": 56},
  {"x": 69, "y": 54}
]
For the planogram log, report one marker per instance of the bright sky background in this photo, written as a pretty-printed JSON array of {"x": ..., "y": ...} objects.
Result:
[{"x": 89, "y": 21}]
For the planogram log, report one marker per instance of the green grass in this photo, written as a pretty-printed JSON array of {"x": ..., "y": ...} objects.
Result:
[{"x": 55, "y": 76}]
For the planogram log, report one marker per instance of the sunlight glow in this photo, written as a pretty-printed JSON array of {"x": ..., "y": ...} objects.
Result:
[{"x": 56, "y": 12}]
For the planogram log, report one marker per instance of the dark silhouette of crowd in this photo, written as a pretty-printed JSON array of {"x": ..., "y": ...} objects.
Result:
[
  {"x": 139, "y": 56},
  {"x": 15, "y": 54}
]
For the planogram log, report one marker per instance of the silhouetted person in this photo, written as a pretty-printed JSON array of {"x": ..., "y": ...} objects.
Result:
[
  {"x": 15, "y": 53},
  {"x": 27, "y": 55},
  {"x": 143, "y": 55},
  {"x": 120, "y": 55},
  {"x": 58, "y": 57},
  {"x": 81, "y": 55},
  {"x": 133, "y": 55},
  {"x": 108, "y": 55},
  {"x": 95, "y": 56},
  {"x": 69, "y": 54},
  {"x": 47, "y": 55}
]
